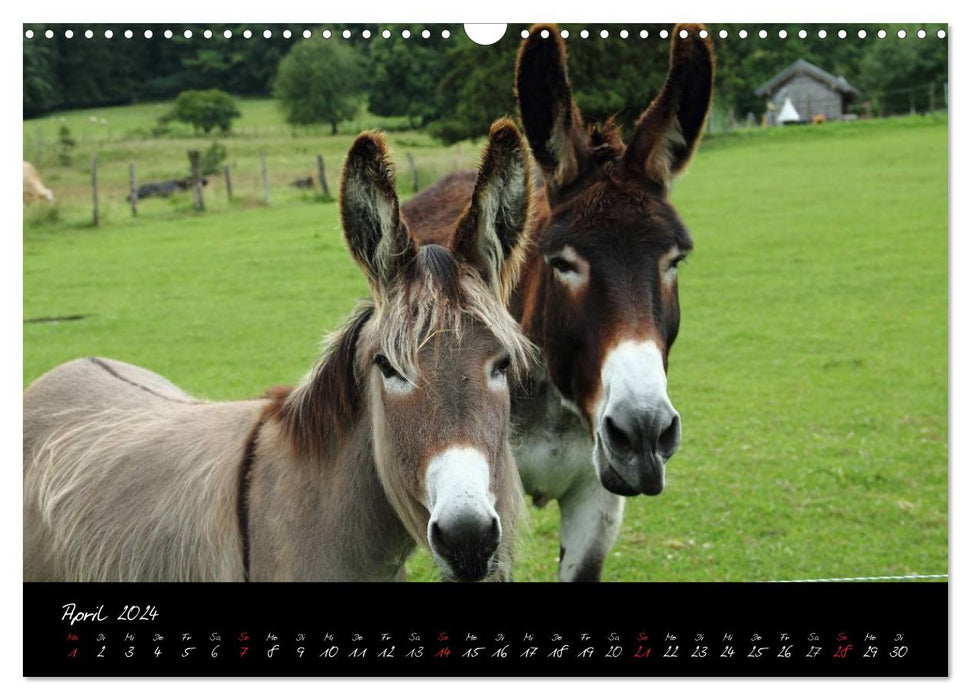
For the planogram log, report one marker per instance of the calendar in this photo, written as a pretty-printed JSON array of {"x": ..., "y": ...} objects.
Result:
[
  {"x": 433, "y": 630},
  {"x": 526, "y": 350}
]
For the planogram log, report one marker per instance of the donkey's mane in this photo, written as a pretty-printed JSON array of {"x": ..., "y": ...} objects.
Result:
[
  {"x": 434, "y": 293},
  {"x": 318, "y": 413},
  {"x": 601, "y": 162},
  {"x": 605, "y": 140}
]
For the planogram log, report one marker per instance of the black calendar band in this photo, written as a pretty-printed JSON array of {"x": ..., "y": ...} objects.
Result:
[{"x": 431, "y": 630}]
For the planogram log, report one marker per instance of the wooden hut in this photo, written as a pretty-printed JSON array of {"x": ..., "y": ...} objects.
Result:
[{"x": 812, "y": 92}]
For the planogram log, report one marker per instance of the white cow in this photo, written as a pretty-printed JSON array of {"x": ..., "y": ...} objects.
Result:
[{"x": 34, "y": 188}]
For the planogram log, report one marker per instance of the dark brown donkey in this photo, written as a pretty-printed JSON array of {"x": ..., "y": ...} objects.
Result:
[{"x": 599, "y": 290}]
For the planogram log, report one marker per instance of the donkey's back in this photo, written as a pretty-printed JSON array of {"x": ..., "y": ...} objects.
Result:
[
  {"x": 128, "y": 477},
  {"x": 432, "y": 213}
]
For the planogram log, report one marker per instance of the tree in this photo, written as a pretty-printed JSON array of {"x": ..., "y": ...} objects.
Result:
[
  {"x": 615, "y": 78},
  {"x": 236, "y": 65},
  {"x": 899, "y": 75},
  {"x": 405, "y": 77},
  {"x": 42, "y": 90},
  {"x": 62, "y": 73},
  {"x": 320, "y": 82},
  {"x": 205, "y": 110},
  {"x": 477, "y": 89}
]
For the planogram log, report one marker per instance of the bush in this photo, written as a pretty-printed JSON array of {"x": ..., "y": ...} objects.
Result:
[
  {"x": 205, "y": 110},
  {"x": 212, "y": 159},
  {"x": 65, "y": 146}
]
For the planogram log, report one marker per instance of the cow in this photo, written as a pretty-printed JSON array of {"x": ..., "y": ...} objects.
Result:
[
  {"x": 34, "y": 188},
  {"x": 166, "y": 188}
]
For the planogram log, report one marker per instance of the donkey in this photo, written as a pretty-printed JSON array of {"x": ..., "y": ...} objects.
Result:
[
  {"x": 398, "y": 435},
  {"x": 599, "y": 290}
]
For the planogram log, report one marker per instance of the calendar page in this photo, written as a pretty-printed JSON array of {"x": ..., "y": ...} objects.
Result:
[{"x": 643, "y": 325}]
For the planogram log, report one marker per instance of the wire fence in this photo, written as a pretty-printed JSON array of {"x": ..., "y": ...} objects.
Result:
[
  {"x": 98, "y": 189},
  {"x": 900, "y": 577}
]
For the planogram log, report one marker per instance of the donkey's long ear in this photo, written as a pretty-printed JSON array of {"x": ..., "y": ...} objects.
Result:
[
  {"x": 670, "y": 128},
  {"x": 549, "y": 115},
  {"x": 376, "y": 235},
  {"x": 491, "y": 235}
]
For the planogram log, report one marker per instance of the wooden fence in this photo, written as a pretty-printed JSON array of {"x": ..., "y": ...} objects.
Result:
[{"x": 138, "y": 192}]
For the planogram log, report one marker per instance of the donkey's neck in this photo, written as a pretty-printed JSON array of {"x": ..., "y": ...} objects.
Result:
[
  {"x": 527, "y": 303},
  {"x": 539, "y": 411},
  {"x": 317, "y": 414},
  {"x": 322, "y": 519},
  {"x": 318, "y": 510}
]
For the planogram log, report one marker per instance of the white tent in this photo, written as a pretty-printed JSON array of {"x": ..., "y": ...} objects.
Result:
[{"x": 788, "y": 113}]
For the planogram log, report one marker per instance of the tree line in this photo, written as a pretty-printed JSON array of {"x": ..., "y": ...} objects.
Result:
[{"x": 451, "y": 86}]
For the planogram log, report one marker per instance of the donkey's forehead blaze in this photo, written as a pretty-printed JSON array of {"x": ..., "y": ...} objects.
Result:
[{"x": 623, "y": 217}]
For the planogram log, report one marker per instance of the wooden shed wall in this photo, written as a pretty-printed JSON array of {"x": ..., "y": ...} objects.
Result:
[{"x": 810, "y": 97}]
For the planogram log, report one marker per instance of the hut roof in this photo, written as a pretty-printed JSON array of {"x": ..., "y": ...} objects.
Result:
[{"x": 802, "y": 66}]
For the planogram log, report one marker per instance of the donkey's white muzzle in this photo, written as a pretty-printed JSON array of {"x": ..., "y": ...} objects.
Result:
[
  {"x": 636, "y": 428},
  {"x": 463, "y": 526}
]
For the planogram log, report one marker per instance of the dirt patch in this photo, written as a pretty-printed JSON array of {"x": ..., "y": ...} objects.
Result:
[{"x": 56, "y": 319}]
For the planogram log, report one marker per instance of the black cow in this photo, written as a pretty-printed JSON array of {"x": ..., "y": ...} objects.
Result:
[{"x": 166, "y": 188}]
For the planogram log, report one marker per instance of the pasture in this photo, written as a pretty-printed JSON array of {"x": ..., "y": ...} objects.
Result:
[
  {"x": 811, "y": 371},
  {"x": 121, "y": 136}
]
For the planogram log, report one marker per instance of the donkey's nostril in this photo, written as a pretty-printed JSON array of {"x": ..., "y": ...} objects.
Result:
[
  {"x": 466, "y": 538},
  {"x": 436, "y": 537},
  {"x": 495, "y": 534},
  {"x": 643, "y": 433},
  {"x": 617, "y": 437},
  {"x": 670, "y": 438}
]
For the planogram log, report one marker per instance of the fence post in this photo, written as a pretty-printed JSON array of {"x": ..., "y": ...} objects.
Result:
[
  {"x": 266, "y": 183},
  {"x": 930, "y": 93},
  {"x": 94, "y": 186},
  {"x": 229, "y": 183},
  {"x": 322, "y": 176},
  {"x": 134, "y": 189},
  {"x": 196, "y": 181},
  {"x": 414, "y": 171}
]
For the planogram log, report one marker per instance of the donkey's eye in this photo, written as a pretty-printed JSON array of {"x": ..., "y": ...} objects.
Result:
[
  {"x": 501, "y": 366},
  {"x": 675, "y": 261},
  {"x": 387, "y": 369},
  {"x": 562, "y": 265}
]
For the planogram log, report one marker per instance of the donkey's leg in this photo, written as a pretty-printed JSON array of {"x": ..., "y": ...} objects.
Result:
[{"x": 590, "y": 518}]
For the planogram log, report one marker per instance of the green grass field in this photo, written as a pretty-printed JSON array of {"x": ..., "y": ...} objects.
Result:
[{"x": 811, "y": 370}]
